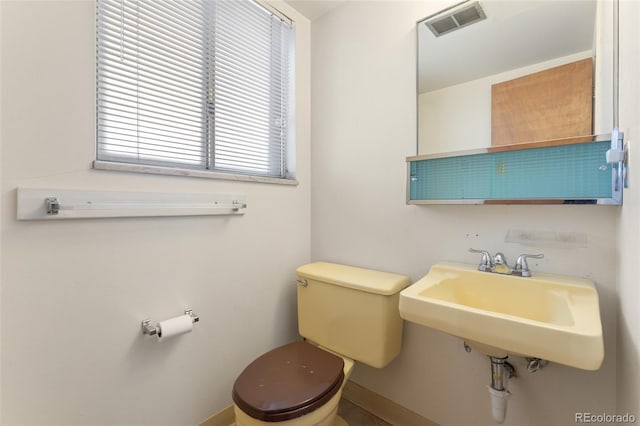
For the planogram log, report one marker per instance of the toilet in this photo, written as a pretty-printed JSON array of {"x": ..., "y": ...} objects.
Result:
[{"x": 345, "y": 314}]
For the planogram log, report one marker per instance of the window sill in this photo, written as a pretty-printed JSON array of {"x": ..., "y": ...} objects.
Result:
[{"x": 155, "y": 170}]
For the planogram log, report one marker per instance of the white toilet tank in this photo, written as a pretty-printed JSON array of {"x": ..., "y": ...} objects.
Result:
[{"x": 351, "y": 311}]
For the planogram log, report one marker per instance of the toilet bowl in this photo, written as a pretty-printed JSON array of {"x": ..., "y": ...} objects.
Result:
[
  {"x": 350, "y": 314},
  {"x": 298, "y": 384}
]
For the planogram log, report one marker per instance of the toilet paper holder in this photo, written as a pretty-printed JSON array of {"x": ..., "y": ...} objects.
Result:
[{"x": 152, "y": 330}]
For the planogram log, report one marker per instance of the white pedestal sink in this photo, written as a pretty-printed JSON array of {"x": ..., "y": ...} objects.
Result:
[{"x": 552, "y": 317}]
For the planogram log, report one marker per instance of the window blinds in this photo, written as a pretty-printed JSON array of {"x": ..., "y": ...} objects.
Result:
[{"x": 194, "y": 84}]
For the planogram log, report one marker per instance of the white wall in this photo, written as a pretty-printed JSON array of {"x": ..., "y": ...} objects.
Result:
[
  {"x": 359, "y": 217},
  {"x": 74, "y": 293},
  {"x": 628, "y": 366}
]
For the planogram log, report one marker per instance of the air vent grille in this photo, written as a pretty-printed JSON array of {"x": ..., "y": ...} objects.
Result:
[{"x": 456, "y": 19}]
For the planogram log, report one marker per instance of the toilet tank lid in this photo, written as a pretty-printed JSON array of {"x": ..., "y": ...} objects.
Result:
[{"x": 371, "y": 281}]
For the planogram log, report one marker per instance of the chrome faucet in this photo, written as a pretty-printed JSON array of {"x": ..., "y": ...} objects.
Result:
[{"x": 499, "y": 265}]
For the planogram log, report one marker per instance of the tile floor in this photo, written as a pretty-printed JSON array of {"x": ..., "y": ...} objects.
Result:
[{"x": 356, "y": 416}]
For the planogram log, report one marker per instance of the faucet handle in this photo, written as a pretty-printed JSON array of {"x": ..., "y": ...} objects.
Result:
[
  {"x": 485, "y": 263},
  {"x": 522, "y": 267}
]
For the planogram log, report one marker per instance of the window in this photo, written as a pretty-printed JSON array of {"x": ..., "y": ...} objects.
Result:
[{"x": 198, "y": 84}]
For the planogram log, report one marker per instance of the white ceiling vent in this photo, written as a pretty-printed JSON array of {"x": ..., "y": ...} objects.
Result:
[{"x": 456, "y": 19}]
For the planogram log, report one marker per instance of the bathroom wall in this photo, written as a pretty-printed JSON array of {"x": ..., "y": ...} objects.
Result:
[
  {"x": 363, "y": 127},
  {"x": 74, "y": 292},
  {"x": 628, "y": 366}
]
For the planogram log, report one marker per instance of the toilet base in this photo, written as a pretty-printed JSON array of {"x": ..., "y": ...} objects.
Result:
[
  {"x": 339, "y": 421},
  {"x": 327, "y": 415}
]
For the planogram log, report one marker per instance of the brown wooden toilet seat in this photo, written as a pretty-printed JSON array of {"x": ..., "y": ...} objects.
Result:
[{"x": 288, "y": 382}]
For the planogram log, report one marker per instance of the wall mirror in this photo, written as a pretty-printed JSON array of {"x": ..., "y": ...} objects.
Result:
[{"x": 500, "y": 75}]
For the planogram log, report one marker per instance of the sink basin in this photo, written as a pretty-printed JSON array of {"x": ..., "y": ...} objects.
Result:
[{"x": 552, "y": 317}]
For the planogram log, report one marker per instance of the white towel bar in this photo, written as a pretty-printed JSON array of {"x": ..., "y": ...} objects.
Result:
[{"x": 54, "y": 204}]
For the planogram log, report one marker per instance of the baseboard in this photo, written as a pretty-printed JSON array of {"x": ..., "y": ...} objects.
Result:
[
  {"x": 223, "y": 418},
  {"x": 382, "y": 407}
]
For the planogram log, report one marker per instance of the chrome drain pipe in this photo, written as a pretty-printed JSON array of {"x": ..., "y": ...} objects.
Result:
[{"x": 501, "y": 371}]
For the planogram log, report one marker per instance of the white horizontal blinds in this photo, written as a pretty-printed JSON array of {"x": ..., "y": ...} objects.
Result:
[
  {"x": 150, "y": 82},
  {"x": 251, "y": 89},
  {"x": 192, "y": 84}
]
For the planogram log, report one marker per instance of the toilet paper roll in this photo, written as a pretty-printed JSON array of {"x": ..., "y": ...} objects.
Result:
[{"x": 174, "y": 326}]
